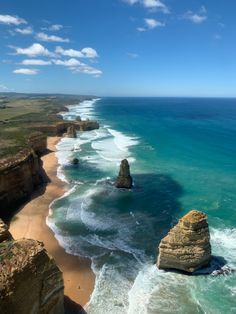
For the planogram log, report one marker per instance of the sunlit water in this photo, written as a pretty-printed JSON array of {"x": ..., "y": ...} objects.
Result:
[{"x": 182, "y": 155}]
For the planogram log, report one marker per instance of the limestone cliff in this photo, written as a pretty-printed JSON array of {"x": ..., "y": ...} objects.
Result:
[
  {"x": 124, "y": 179},
  {"x": 19, "y": 176},
  {"x": 187, "y": 245},
  {"x": 38, "y": 142},
  {"x": 30, "y": 281}
]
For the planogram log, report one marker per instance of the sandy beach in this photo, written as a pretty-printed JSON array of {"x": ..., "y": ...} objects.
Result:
[{"x": 30, "y": 222}]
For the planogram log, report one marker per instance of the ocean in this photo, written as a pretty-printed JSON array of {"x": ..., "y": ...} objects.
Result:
[{"x": 182, "y": 155}]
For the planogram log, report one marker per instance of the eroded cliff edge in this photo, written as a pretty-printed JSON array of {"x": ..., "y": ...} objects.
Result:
[{"x": 30, "y": 281}]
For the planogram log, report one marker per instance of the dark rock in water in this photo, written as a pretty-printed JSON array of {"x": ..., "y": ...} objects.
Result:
[
  {"x": 4, "y": 233},
  {"x": 78, "y": 119},
  {"x": 75, "y": 161},
  {"x": 124, "y": 179},
  {"x": 187, "y": 245},
  {"x": 71, "y": 132}
]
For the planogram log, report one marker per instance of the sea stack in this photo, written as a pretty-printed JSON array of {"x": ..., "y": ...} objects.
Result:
[
  {"x": 124, "y": 179},
  {"x": 187, "y": 245},
  {"x": 71, "y": 132}
]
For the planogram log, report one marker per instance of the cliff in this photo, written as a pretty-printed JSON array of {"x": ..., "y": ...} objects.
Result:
[
  {"x": 30, "y": 281},
  {"x": 61, "y": 127},
  {"x": 38, "y": 142},
  {"x": 19, "y": 177},
  {"x": 187, "y": 245}
]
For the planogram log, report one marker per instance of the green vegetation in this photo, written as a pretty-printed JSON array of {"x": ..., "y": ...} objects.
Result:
[{"x": 19, "y": 113}]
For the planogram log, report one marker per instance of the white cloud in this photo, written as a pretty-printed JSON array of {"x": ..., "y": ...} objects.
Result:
[
  {"x": 33, "y": 51},
  {"x": 26, "y": 71},
  {"x": 84, "y": 53},
  {"x": 24, "y": 31},
  {"x": 68, "y": 63},
  {"x": 89, "y": 53},
  {"x": 35, "y": 62},
  {"x": 55, "y": 27},
  {"x": 11, "y": 20},
  {"x": 150, "y": 24},
  {"x": 198, "y": 17},
  {"x": 51, "y": 38},
  {"x": 76, "y": 66},
  {"x": 150, "y": 4},
  {"x": 4, "y": 88}
]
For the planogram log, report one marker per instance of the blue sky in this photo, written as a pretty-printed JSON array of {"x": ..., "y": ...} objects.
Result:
[{"x": 119, "y": 47}]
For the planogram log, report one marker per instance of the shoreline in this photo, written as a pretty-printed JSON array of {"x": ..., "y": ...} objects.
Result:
[{"x": 30, "y": 222}]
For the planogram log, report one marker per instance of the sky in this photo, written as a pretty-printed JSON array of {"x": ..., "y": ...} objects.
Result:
[{"x": 119, "y": 47}]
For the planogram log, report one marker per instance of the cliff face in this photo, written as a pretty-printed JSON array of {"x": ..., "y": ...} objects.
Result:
[
  {"x": 187, "y": 245},
  {"x": 30, "y": 281},
  {"x": 19, "y": 176},
  {"x": 38, "y": 142}
]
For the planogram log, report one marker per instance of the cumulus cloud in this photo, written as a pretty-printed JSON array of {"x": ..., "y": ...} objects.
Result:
[
  {"x": 33, "y": 51},
  {"x": 68, "y": 63},
  {"x": 150, "y": 24},
  {"x": 150, "y": 4},
  {"x": 24, "y": 31},
  {"x": 55, "y": 27},
  {"x": 4, "y": 88},
  {"x": 11, "y": 20},
  {"x": 198, "y": 17},
  {"x": 76, "y": 66},
  {"x": 84, "y": 53},
  {"x": 51, "y": 38},
  {"x": 35, "y": 62},
  {"x": 26, "y": 71}
]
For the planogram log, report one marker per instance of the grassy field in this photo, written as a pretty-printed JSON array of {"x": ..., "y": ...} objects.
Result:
[{"x": 19, "y": 112}]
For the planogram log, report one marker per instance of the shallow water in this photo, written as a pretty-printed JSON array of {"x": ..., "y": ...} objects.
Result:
[{"x": 182, "y": 155}]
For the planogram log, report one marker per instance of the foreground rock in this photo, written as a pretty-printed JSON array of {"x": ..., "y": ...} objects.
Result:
[
  {"x": 124, "y": 179},
  {"x": 30, "y": 281},
  {"x": 187, "y": 245}
]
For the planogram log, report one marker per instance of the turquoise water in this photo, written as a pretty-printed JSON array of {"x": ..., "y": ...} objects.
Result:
[{"x": 182, "y": 155}]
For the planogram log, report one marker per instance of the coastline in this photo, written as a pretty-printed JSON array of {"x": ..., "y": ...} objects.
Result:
[{"x": 30, "y": 222}]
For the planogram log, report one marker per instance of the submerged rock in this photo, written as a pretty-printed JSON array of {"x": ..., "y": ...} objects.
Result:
[
  {"x": 71, "y": 132},
  {"x": 124, "y": 179},
  {"x": 74, "y": 161},
  {"x": 187, "y": 246}
]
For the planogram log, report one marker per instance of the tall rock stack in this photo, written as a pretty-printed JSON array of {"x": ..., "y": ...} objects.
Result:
[
  {"x": 187, "y": 246},
  {"x": 124, "y": 179}
]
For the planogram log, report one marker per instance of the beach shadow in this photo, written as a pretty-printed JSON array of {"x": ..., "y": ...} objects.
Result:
[{"x": 72, "y": 307}]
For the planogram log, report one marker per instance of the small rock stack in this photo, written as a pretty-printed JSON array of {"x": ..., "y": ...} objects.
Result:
[
  {"x": 187, "y": 246},
  {"x": 71, "y": 132},
  {"x": 124, "y": 179}
]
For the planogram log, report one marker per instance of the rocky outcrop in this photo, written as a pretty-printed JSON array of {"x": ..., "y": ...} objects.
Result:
[
  {"x": 71, "y": 132},
  {"x": 4, "y": 233},
  {"x": 187, "y": 245},
  {"x": 74, "y": 161},
  {"x": 38, "y": 142},
  {"x": 30, "y": 281},
  {"x": 88, "y": 125},
  {"x": 124, "y": 179},
  {"x": 19, "y": 177}
]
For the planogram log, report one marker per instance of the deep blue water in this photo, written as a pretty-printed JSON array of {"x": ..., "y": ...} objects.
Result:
[{"x": 182, "y": 155}]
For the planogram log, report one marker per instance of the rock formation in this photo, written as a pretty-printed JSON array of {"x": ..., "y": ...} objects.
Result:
[
  {"x": 74, "y": 161},
  {"x": 187, "y": 246},
  {"x": 19, "y": 177},
  {"x": 71, "y": 132},
  {"x": 124, "y": 179},
  {"x": 30, "y": 281},
  {"x": 38, "y": 142}
]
